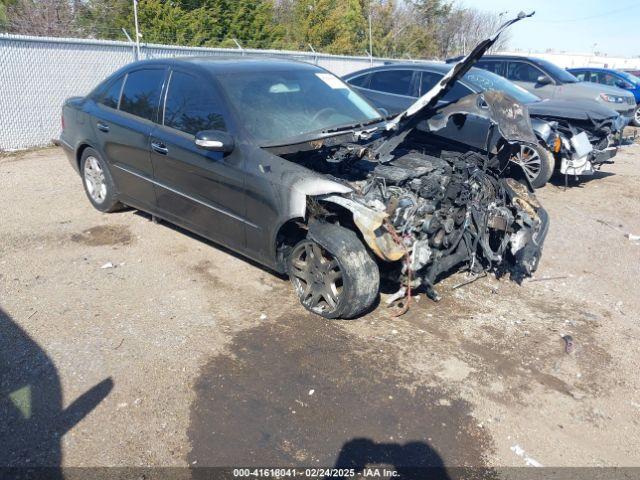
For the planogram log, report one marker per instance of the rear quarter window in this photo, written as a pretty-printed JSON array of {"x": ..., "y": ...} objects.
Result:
[{"x": 111, "y": 97}]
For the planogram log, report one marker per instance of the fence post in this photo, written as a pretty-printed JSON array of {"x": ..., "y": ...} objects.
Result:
[
  {"x": 135, "y": 52},
  {"x": 239, "y": 46},
  {"x": 315, "y": 54}
]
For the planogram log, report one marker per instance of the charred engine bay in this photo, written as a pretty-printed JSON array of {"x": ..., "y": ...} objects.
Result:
[{"x": 434, "y": 211}]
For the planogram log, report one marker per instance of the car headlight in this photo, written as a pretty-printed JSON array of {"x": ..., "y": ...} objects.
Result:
[{"x": 612, "y": 98}]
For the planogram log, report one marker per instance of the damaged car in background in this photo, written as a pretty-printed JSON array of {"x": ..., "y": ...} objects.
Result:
[
  {"x": 295, "y": 170},
  {"x": 574, "y": 137}
]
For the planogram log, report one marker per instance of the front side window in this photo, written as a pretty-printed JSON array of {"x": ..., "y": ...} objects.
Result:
[
  {"x": 482, "y": 81},
  {"x": 455, "y": 93},
  {"x": 111, "y": 96},
  {"x": 523, "y": 72},
  {"x": 392, "y": 81},
  {"x": 608, "y": 79},
  {"x": 191, "y": 107},
  {"x": 141, "y": 93}
]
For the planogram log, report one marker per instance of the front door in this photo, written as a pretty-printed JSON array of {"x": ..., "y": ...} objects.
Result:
[
  {"x": 199, "y": 189},
  {"x": 526, "y": 75}
]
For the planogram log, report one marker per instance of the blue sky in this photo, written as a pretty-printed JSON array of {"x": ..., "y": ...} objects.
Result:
[{"x": 572, "y": 25}]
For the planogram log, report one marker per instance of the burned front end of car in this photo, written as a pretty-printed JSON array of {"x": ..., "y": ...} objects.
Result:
[
  {"x": 434, "y": 212},
  {"x": 426, "y": 207},
  {"x": 582, "y": 145}
]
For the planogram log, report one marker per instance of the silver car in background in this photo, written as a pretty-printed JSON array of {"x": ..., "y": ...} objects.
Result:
[{"x": 547, "y": 80}]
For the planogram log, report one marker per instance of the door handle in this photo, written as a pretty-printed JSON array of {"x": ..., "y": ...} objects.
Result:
[
  {"x": 103, "y": 127},
  {"x": 160, "y": 147}
]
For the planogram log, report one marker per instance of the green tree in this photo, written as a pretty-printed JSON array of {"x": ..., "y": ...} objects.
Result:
[
  {"x": 3, "y": 17},
  {"x": 335, "y": 26}
]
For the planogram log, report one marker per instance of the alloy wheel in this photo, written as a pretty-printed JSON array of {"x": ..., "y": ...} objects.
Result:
[
  {"x": 316, "y": 276},
  {"x": 530, "y": 161},
  {"x": 94, "y": 179},
  {"x": 637, "y": 116}
]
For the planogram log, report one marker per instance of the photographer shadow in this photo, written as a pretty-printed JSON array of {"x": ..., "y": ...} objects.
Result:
[
  {"x": 33, "y": 419},
  {"x": 413, "y": 460}
]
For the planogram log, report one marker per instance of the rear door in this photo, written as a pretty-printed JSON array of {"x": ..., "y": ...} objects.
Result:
[
  {"x": 526, "y": 75},
  {"x": 199, "y": 189},
  {"x": 123, "y": 121}
]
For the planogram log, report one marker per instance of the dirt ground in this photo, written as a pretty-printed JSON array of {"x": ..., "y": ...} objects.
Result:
[{"x": 129, "y": 343}]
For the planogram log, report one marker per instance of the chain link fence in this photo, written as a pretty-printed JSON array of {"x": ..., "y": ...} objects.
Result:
[{"x": 38, "y": 73}]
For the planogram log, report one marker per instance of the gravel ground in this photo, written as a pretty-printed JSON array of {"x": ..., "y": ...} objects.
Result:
[{"x": 183, "y": 353}]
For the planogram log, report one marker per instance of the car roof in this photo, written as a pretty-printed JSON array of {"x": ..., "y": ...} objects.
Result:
[
  {"x": 228, "y": 64},
  {"x": 427, "y": 66},
  {"x": 594, "y": 69}
]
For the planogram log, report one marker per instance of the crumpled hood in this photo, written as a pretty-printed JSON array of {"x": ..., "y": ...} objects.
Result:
[{"x": 572, "y": 109}]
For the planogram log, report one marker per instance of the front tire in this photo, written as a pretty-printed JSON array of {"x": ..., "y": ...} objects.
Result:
[
  {"x": 98, "y": 182},
  {"x": 636, "y": 117},
  {"x": 332, "y": 272},
  {"x": 537, "y": 162}
]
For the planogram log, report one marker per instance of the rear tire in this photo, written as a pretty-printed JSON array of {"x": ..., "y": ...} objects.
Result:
[
  {"x": 332, "y": 272},
  {"x": 98, "y": 182}
]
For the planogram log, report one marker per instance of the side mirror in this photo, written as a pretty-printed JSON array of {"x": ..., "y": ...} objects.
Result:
[
  {"x": 215, "y": 140},
  {"x": 543, "y": 80}
]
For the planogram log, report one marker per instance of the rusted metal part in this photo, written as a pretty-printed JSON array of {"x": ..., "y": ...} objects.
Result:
[{"x": 370, "y": 223}]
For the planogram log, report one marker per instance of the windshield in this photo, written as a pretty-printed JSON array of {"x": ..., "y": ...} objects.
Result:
[
  {"x": 630, "y": 78},
  {"x": 556, "y": 72},
  {"x": 483, "y": 80},
  {"x": 283, "y": 105}
]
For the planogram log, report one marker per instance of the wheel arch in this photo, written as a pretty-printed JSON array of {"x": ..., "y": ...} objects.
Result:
[{"x": 80, "y": 150}]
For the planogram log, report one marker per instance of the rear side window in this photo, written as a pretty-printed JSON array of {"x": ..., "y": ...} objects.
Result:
[
  {"x": 141, "y": 93},
  {"x": 581, "y": 76},
  {"x": 523, "y": 72},
  {"x": 111, "y": 96},
  {"x": 492, "y": 66},
  {"x": 191, "y": 106},
  {"x": 392, "y": 81}
]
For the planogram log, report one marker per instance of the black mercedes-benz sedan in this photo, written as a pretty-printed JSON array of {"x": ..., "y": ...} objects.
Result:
[{"x": 284, "y": 163}]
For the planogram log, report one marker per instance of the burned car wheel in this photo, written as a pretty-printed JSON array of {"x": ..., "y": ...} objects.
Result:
[
  {"x": 333, "y": 274},
  {"x": 537, "y": 162}
]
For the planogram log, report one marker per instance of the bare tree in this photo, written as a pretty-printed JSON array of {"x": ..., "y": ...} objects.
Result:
[
  {"x": 53, "y": 18},
  {"x": 464, "y": 28}
]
